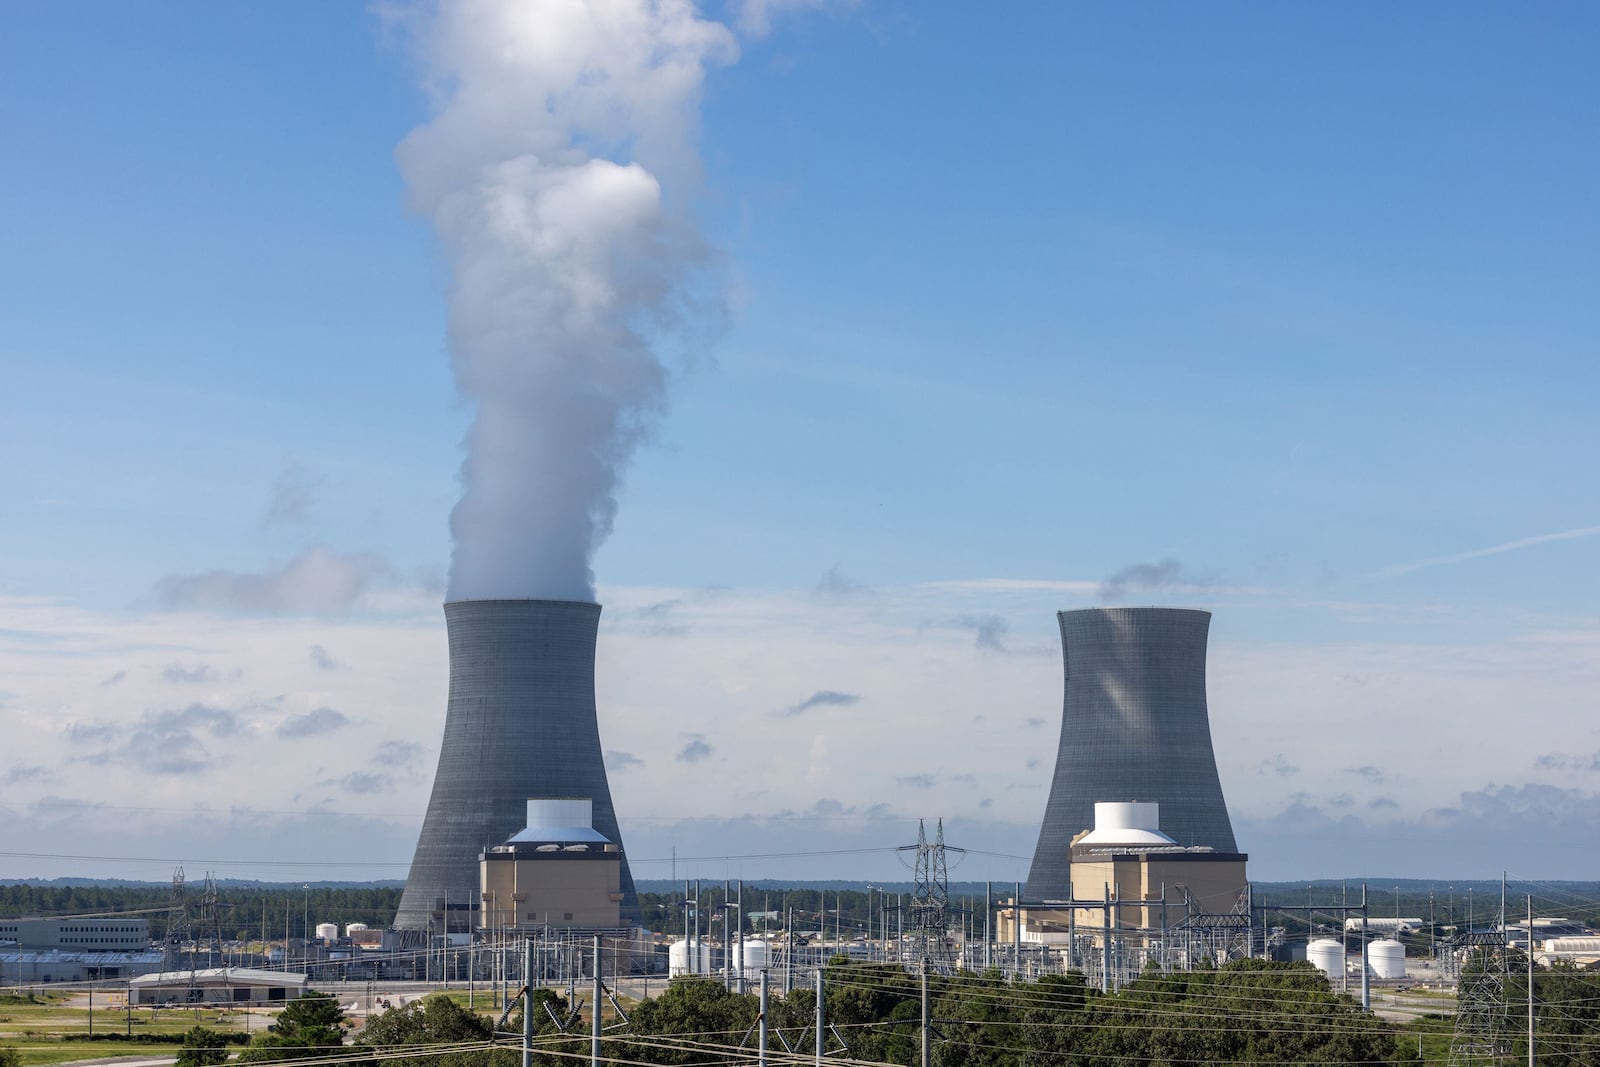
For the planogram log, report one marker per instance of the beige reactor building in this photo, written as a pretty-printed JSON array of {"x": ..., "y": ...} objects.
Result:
[
  {"x": 557, "y": 873},
  {"x": 1149, "y": 881}
]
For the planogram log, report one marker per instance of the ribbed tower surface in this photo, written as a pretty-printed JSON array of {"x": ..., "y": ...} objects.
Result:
[
  {"x": 520, "y": 723},
  {"x": 1134, "y": 726}
]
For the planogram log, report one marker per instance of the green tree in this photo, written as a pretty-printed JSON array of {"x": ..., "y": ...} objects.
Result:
[
  {"x": 433, "y": 1020},
  {"x": 1566, "y": 1004},
  {"x": 202, "y": 1047},
  {"x": 310, "y": 1025},
  {"x": 9, "y": 1057},
  {"x": 691, "y": 1012}
]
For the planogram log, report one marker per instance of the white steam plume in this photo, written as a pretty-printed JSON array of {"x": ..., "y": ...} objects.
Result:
[{"x": 554, "y": 172}]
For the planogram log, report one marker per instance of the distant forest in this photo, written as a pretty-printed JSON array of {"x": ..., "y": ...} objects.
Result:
[
  {"x": 253, "y": 911},
  {"x": 243, "y": 913}
]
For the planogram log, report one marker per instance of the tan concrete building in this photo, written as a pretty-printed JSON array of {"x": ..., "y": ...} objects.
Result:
[
  {"x": 1151, "y": 881},
  {"x": 558, "y": 873}
]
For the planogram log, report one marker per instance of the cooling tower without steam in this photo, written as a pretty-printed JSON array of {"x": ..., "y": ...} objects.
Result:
[
  {"x": 520, "y": 723},
  {"x": 1134, "y": 726}
]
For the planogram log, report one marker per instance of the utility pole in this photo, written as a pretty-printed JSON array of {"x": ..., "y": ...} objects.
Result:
[
  {"x": 988, "y": 929},
  {"x": 1366, "y": 986},
  {"x": 1530, "y": 980},
  {"x": 527, "y": 1002},
  {"x": 1105, "y": 948},
  {"x": 1016, "y": 931},
  {"x": 821, "y": 1020},
  {"x": 594, "y": 1039},
  {"x": 761, "y": 1039},
  {"x": 927, "y": 1019}
]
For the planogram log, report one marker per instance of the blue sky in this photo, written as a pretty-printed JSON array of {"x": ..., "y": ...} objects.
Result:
[{"x": 1262, "y": 302}]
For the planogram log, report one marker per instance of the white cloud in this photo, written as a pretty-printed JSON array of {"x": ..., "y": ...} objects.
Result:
[
  {"x": 317, "y": 581},
  {"x": 1391, "y": 730}
]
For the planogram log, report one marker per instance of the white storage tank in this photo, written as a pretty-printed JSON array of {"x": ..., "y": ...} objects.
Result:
[
  {"x": 1326, "y": 955},
  {"x": 755, "y": 955},
  {"x": 328, "y": 932},
  {"x": 680, "y": 960},
  {"x": 1387, "y": 958},
  {"x": 352, "y": 928}
]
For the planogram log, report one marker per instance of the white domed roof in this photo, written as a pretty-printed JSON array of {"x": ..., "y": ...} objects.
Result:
[{"x": 1126, "y": 822}]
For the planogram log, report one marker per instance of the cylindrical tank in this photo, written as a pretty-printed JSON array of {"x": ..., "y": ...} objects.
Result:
[
  {"x": 353, "y": 928},
  {"x": 1387, "y": 958},
  {"x": 327, "y": 931},
  {"x": 755, "y": 955},
  {"x": 680, "y": 961},
  {"x": 1326, "y": 955}
]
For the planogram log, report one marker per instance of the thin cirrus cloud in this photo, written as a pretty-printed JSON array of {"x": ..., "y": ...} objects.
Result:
[
  {"x": 169, "y": 741},
  {"x": 1479, "y": 553},
  {"x": 1140, "y": 577},
  {"x": 317, "y": 581},
  {"x": 621, "y": 761},
  {"x": 293, "y": 496},
  {"x": 313, "y": 722},
  {"x": 988, "y": 631},
  {"x": 696, "y": 750},
  {"x": 322, "y": 660},
  {"x": 822, "y": 698},
  {"x": 178, "y": 674}
]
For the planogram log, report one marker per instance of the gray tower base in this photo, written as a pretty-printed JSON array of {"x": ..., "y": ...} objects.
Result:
[
  {"x": 1134, "y": 726},
  {"x": 520, "y": 723}
]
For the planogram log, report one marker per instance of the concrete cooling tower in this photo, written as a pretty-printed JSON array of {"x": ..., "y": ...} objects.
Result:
[
  {"x": 1134, "y": 727},
  {"x": 520, "y": 723}
]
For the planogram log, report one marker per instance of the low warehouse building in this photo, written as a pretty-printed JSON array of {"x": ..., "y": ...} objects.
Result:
[
  {"x": 217, "y": 985},
  {"x": 20, "y": 967}
]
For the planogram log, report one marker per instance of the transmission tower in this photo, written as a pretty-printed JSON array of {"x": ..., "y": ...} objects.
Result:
[
  {"x": 211, "y": 909},
  {"x": 177, "y": 921},
  {"x": 930, "y": 896},
  {"x": 1483, "y": 1020}
]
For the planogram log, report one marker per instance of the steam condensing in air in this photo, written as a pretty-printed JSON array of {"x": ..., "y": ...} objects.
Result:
[{"x": 554, "y": 172}]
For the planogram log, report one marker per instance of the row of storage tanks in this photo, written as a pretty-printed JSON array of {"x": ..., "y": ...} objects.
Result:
[
  {"x": 1386, "y": 958},
  {"x": 329, "y": 932},
  {"x": 752, "y": 956}
]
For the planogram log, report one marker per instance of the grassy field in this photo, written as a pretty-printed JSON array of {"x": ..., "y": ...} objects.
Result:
[{"x": 40, "y": 1026}]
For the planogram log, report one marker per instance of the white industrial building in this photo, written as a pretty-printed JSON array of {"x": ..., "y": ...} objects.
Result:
[{"x": 217, "y": 985}]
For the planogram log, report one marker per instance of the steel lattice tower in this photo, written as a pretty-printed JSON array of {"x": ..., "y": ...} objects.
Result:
[
  {"x": 930, "y": 894},
  {"x": 1483, "y": 1020}
]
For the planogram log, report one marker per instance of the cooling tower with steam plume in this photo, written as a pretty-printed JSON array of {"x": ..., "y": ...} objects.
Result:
[
  {"x": 1134, "y": 727},
  {"x": 520, "y": 723},
  {"x": 557, "y": 171}
]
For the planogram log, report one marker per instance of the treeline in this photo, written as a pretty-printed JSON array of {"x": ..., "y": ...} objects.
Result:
[
  {"x": 243, "y": 913},
  {"x": 1248, "y": 1012}
]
